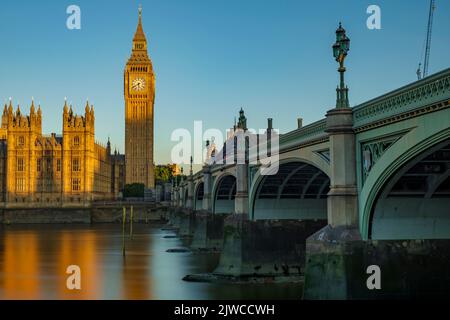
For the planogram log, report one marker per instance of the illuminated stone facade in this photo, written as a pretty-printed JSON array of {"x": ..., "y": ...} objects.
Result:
[
  {"x": 139, "y": 91},
  {"x": 53, "y": 171}
]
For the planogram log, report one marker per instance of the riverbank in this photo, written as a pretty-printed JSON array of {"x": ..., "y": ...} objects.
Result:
[{"x": 142, "y": 213}]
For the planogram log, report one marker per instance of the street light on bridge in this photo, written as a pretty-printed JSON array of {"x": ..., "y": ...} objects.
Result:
[{"x": 340, "y": 50}]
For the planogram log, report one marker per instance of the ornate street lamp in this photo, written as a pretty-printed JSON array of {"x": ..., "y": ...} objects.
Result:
[{"x": 340, "y": 51}]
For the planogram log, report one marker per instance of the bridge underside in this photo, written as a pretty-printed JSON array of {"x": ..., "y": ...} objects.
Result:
[
  {"x": 185, "y": 199},
  {"x": 198, "y": 199},
  {"x": 225, "y": 195},
  {"x": 415, "y": 203},
  {"x": 297, "y": 191}
]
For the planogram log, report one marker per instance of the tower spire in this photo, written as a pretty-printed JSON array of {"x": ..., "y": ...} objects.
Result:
[
  {"x": 10, "y": 108},
  {"x": 139, "y": 92},
  {"x": 139, "y": 35},
  {"x": 32, "y": 106}
]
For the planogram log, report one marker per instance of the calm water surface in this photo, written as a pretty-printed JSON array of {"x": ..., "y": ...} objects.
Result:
[{"x": 34, "y": 258}]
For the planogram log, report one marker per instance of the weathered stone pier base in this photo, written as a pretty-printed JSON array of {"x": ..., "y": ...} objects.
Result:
[
  {"x": 203, "y": 230},
  {"x": 337, "y": 261},
  {"x": 273, "y": 250},
  {"x": 186, "y": 218},
  {"x": 208, "y": 234},
  {"x": 174, "y": 219}
]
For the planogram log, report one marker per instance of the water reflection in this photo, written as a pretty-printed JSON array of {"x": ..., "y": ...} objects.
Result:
[
  {"x": 135, "y": 276},
  {"x": 78, "y": 249},
  {"x": 20, "y": 261},
  {"x": 34, "y": 259}
]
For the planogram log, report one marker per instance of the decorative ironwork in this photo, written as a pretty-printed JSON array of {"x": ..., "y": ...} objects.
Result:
[
  {"x": 372, "y": 152},
  {"x": 325, "y": 155}
]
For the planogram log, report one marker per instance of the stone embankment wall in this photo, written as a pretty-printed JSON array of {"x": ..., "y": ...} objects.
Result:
[{"x": 142, "y": 213}]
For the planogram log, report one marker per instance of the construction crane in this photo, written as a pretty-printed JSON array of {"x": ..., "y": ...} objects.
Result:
[{"x": 424, "y": 71}]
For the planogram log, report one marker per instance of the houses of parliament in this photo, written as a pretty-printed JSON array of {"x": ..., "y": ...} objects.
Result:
[{"x": 73, "y": 169}]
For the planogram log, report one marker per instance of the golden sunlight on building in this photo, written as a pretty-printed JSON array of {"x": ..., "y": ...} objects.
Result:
[
  {"x": 139, "y": 90},
  {"x": 68, "y": 170}
]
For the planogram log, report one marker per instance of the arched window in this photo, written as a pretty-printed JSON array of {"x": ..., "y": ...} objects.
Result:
[
  {"x": 21, "y": 141},
  {"x": 76, "y": 167}
]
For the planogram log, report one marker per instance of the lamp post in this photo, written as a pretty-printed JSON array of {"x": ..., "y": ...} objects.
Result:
[
  {"x": 342, "y": 235},
  {"x": 342, "y": 198},
  {"x": 340, "y": 51},
  {"x": 190, "y": 186},
  {"x": 182, "y": 188}
]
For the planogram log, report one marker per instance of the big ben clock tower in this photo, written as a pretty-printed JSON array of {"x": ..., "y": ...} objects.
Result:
[{"x": 139, "y": 90}]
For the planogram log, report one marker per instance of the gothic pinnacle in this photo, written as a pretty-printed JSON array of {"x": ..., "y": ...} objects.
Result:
[
  {"x": 32, "y": 105},
  {"x": 139, "y": 35}
]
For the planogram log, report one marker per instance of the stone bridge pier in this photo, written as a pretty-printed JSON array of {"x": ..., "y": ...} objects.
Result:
[{"x": 324, "y": 249}]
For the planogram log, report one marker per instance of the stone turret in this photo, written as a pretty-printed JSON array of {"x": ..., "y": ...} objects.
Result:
[
  {"x": 17, "y": 121},
  {"x": 79, "y": 136},
  {"x": 108, "y": 147},
  {"x": 5, "y": 117},
  {"x": 72, "y": 120}
]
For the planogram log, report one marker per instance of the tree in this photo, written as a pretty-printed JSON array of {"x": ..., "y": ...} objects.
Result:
[
  {"x": 163, "y": 173},
  {"x": 135, "y": 190}
]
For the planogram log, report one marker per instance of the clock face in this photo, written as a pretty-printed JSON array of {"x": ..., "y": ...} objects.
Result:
[{"x": 138, "y": 84}]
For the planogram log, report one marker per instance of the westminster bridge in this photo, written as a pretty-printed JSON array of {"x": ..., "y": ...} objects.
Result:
[{"x": 367, "y": 185}]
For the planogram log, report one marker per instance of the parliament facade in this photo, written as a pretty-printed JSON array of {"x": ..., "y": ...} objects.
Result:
[
  {"x": 72, "y": 169},
  {"x": 67, "y": 170}
]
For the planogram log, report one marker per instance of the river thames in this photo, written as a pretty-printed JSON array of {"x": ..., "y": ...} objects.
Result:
[{"x": 34, "y": 259}]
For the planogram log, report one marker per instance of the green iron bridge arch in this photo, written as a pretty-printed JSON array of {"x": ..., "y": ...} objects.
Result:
[{"x": 394, "y": 135}]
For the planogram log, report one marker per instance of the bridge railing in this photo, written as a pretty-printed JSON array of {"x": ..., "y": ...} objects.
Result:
[
  {"x": 304, "y": 135},
  {"x": 291, "y": 140},
  {"x": 428, "y": 91}
]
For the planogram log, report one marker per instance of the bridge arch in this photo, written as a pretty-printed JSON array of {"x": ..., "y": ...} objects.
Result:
[
  {"x": 186, "y": 195},
  {"x": 224, "y": 193},
  {"x": 199, "y": 192},
  {"x": 297, "y": 191},
  {"x": 390, "y": 208}
]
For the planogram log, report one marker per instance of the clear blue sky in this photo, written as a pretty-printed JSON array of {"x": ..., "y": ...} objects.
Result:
[{"x": 211, "y": 57}]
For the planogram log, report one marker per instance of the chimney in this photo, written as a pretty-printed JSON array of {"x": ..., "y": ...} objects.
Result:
[
  {"x": 299, "y": 123},
  {"x": 269, "y": 124}
]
